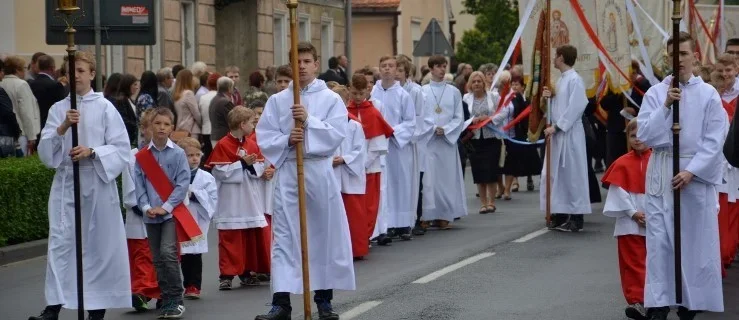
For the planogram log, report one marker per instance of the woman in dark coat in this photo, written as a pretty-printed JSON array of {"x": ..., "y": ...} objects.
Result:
[{"x": 522, "y": 160}]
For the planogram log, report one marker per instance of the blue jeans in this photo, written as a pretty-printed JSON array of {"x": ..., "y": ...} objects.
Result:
[{"x": 163, "y": 244}]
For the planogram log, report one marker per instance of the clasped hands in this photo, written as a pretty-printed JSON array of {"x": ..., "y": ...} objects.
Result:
[
  {"x": 640, "y": 219},
  {"x": 297, "y": 135},
  {"x": 154, "y": 212}
]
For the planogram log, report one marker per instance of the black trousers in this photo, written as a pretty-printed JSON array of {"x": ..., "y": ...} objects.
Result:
[
  {"x": 282, "y": 299},
  {"x": 192, "y": 270},
  {"x": 419, "y": 209},
  {"x": 462, "y": 156}
]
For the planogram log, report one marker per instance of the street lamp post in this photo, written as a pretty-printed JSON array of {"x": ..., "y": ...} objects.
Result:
[{"x": 68, "y": 11}]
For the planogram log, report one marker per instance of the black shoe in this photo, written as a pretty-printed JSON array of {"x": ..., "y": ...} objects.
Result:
[
  {"x": 658, "y": 313},
  {"x": 418, "y": 231},
  {"x": 530, "y": 185},
  {"x": 384, "y": 240},
  {"x": 326, "y": 312},
  {"x": 48, "y": 314},
  {"x": 686, "y": 314},
  {"x": 139, "y": 303},
  {"x": 636, "y": 311},
  {"x": 96, "y": 315},
  {"x": 405, "y": 233},
  {"x": 277, "y": 313}
]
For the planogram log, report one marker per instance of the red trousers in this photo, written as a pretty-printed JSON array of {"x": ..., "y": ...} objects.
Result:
[
  {"x": 244, "y": 250},
  {"x": 143, "y": 274},
  {"x": 724, "y": 231},
  {"x": 372, "y": 201},
  {"x": 356, "y": 212},
  {"x": 632, "y": 262},
  {"x": 734, "y": 228}
]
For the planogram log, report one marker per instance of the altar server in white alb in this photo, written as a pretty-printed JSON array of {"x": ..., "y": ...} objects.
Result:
[
  {"x": 324, "y": 118},
  {"x": 443, "y": 172},
  {"x": 423, "y": 132},
  {"x": 201, "y": 200},
  {"x": 103, "y": 154},
  {"x": 704, "y": 125},
  {"x": 400, "y": 113},
  {"x": 570, "y": 196}
]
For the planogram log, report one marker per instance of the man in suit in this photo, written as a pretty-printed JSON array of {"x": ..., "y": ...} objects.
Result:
[
  {"x": 343, "y": 66},
  {"x": 45, "y": 88},
  {"x": 333, "y": 73},
  {"x": 219, "y": 108}
]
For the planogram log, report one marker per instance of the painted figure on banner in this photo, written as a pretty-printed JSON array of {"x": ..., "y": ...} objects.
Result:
[
  {"x": 611, "y": 33},
  {"x": 560, "y": 32}
]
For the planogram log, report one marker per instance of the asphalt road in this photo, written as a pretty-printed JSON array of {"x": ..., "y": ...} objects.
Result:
[{"x": 479, "y": 270}]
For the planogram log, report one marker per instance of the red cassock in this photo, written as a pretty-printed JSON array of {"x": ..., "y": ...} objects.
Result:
[
  {"x": 734, "y": 228},
  {"x": 241, "y": 250},
  {"x": 629, "y": 173},
  {"x": 373, "y": 125},
  {"x": 143, "y": 274},
  {"x": 728, "y": 221}
]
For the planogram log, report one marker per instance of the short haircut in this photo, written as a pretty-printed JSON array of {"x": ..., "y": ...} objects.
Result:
[
  {"x": 14, "y": 64},
  {"x": 146, "y": 117},
  {"x": 46, "y": 63},
  {"x": 176, "y": 69},
  {"x": 212, "y": 82},
  {"x": 406, "y": 64},
  {"x": 86, "y": 57},
  {"x": 436, "y": 60},
  {"x": 237, "y": 116},
  {"x": 517, "y": 79},
  {"x": 284, "y": 71},
  {"x": 384, "y": 58},
  {"x": 488, "y": 67},
  {"x": 256, "y": 103},
  {"x": 37, "y": 55},
  {"x": 306, "y": 47},
  {"x": 231, "y": 69},
  {"x": 256, "y": 79},
  {"x": 732, "y": 42},
  {"x": 568, "y": 53},
  {"x": 333, "y": 63},
  {"x": 163, "y": 111},
  {"x": 331, "y": 84},
  {"x": 635, "y": 66},
  {"x": 631, "y": 126},
  {"x": 198, "y": 68},
  {"x": 403, "y": 57},
  {"x": 366, "y": 71},
  {"x": 164, "y": 74},
  {"x": 479, "y": 75},
  {"x": 203, "y": 80},
  {"x": 189, "y": 142},
  {"x": 726, "y": 59},
  {"x": 224, "y": 84},
  {"x": 504, "y": 78},
  {"x": 341, "y": 91},
  {"x": 359, "y": 82},
  {"x": 683, "y": 37}
]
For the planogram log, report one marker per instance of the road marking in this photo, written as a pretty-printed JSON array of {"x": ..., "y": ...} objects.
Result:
[
  {"x": 437, "y": 274},
  {"x": 531, "y": 235},
  {"x": 360, "y": 309}
]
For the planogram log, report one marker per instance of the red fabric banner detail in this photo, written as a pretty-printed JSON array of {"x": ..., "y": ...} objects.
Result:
[{"x": 186, "y": 226}]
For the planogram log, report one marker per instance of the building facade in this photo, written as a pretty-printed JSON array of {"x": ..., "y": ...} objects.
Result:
[
  {"x": 391, "y": 27},
  {"x": 251, "y": 34}
]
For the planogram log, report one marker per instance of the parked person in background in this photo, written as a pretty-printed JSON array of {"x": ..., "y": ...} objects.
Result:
[
  {"x": 9, "y": 129},
  {"x": 25, "y": 106},
  {"x": 219, "y": 108},
  {"x": 270, "y": 87},
  {"x": 186, "y": 105},
  {"x": 45, "y": 88},
  {"x": 283, "y": 78},
  {"x": 232, "y": 72},
  {"x": 110, "y": 90}
]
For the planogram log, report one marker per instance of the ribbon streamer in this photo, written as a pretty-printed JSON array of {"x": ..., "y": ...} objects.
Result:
[
  {"x": 512, "y": 45},
  {"x": 647, "y": 70}
]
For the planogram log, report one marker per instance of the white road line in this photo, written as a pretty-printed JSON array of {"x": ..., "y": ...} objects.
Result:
[
  {"x": 437, "y": 274},
  {"x": 531, "y": 235},
  {"x": 360, "y": 309}
]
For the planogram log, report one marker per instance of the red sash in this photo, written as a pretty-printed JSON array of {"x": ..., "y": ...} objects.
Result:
[
  {"x": 730, "y": 107},
  {"x": 186, "y": 226},
  {"x": 505, "y": 99}
]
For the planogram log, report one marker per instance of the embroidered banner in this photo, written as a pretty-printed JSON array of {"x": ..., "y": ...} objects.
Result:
[{"x": 730, "y": 29}]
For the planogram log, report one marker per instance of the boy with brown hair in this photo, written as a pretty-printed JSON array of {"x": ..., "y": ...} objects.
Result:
[{"x": 240, "y": 220}]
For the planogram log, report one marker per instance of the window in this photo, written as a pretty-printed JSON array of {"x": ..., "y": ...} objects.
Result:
[
  {"x": 153, "y": 60},
  {"x": 327, "y": 41},
  {"x": 304, "y": 27},
  {"x": 416, "y": 33},
  {"x": 279, "y": 32},
  {"x": 187, "y": 29}
]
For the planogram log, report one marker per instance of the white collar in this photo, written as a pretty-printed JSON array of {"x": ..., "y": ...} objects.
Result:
[{"x": 169, "y": 144}]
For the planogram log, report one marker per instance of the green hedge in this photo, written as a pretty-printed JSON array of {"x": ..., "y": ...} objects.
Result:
[{"x": 24, "y": 197}]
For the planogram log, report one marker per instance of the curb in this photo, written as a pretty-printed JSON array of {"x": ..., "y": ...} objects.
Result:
[{"x": 23, "y": 251}]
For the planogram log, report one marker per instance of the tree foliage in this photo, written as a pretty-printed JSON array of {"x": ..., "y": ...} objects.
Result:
[{"x": 496, "y": 22}]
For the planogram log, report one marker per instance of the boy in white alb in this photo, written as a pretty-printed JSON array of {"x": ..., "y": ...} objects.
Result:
[
  {"x": 201, "y": 200},
  {"x": 239, "y": 214},
  {"x": 626, "y": 178}
]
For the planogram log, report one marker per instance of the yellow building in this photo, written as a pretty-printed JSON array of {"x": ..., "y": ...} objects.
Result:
[{"x": 390, "y": 27}]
